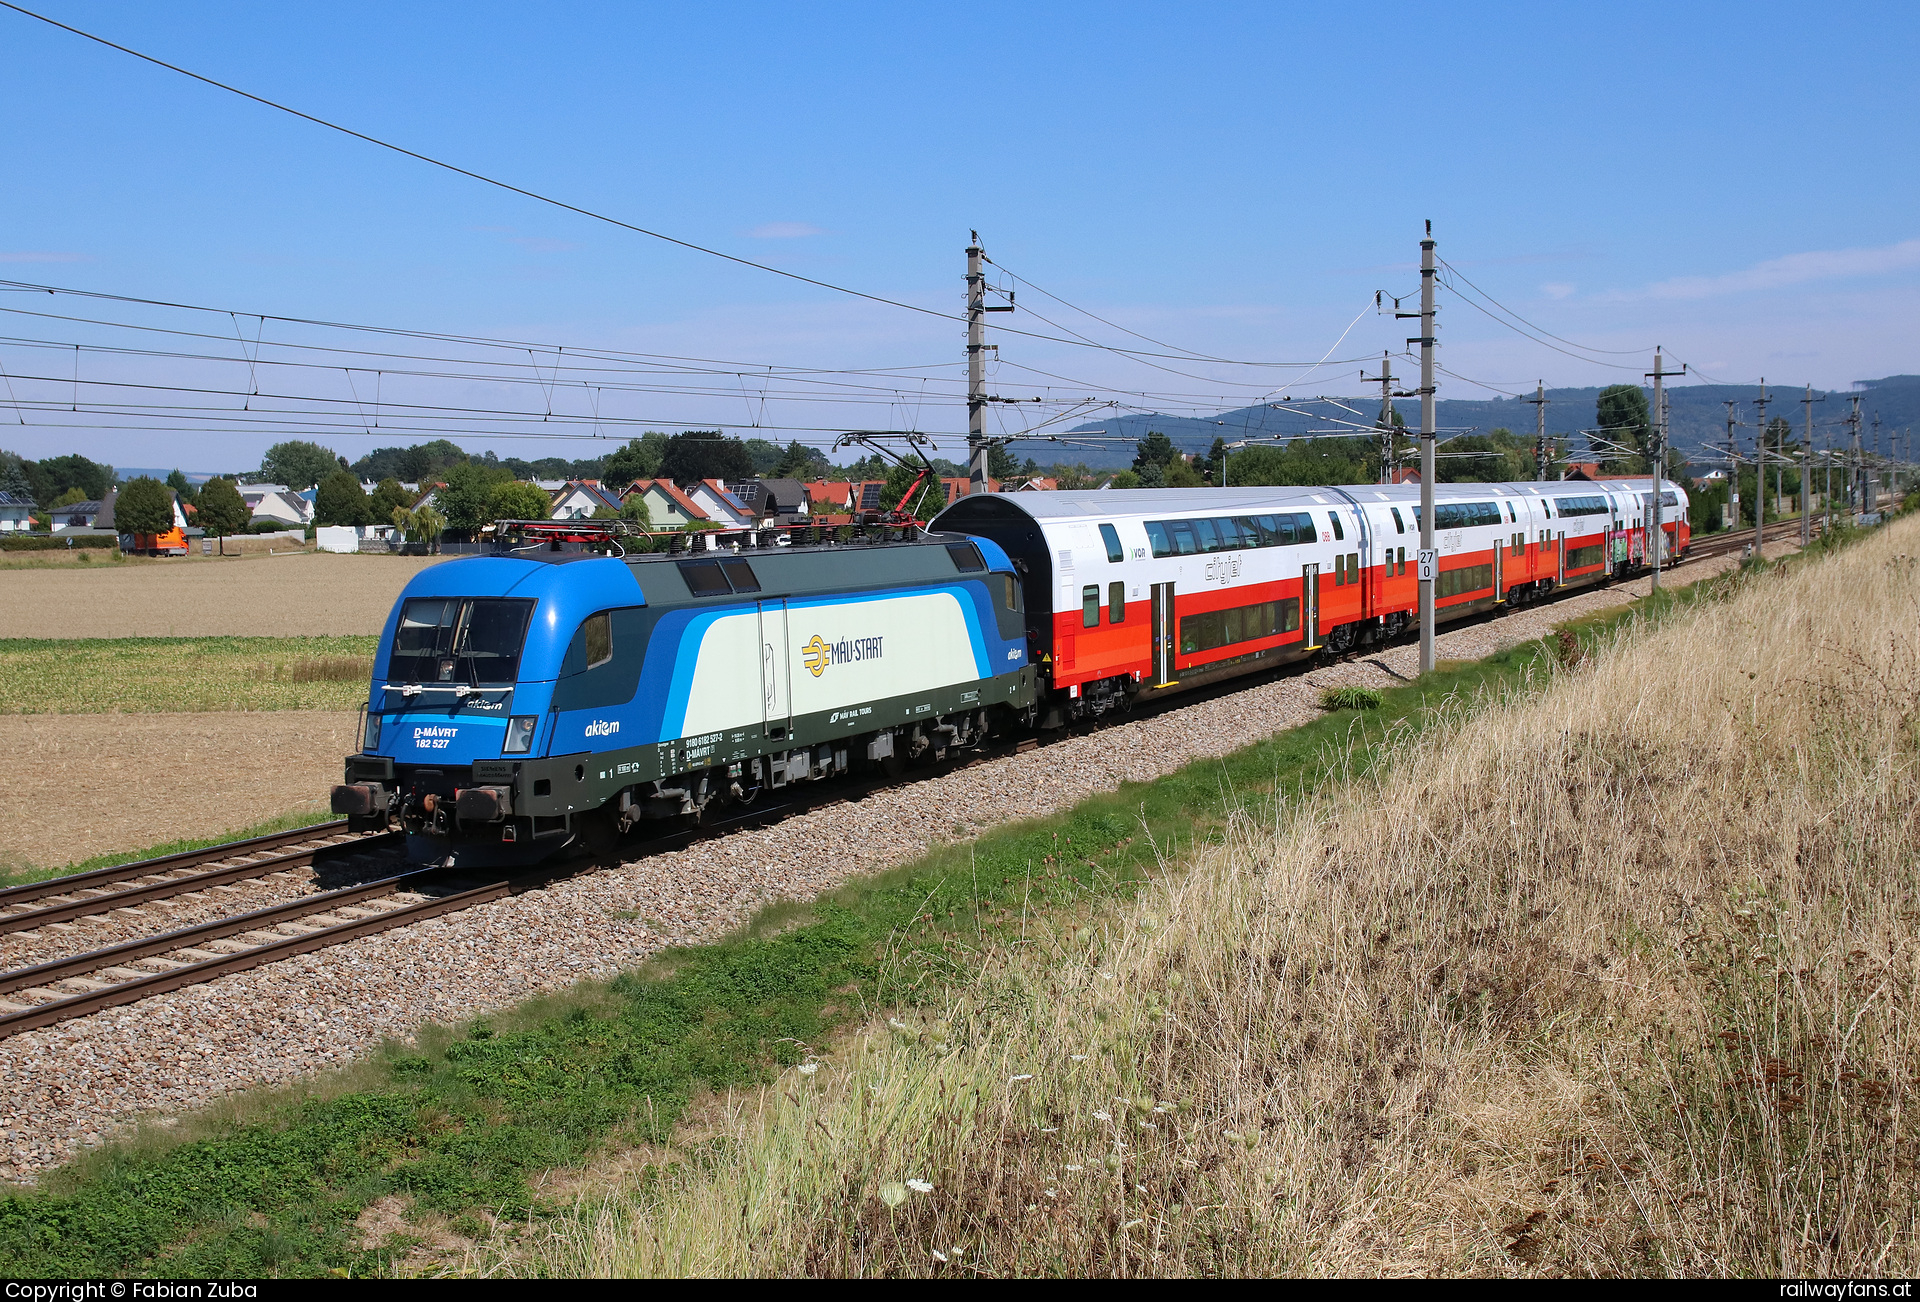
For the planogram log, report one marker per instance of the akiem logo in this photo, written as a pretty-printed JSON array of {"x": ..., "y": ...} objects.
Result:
[
  {"x": 603, "y": 728},
  {"x": 819, "y": 653}
]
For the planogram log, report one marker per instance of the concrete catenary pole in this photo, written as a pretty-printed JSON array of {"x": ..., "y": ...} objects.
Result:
[
  {"x": 1429, "y": 559},
  {"x": 976, "y": 368},
  {"x": 1385, "y": 379},
  {"x": 1760, "y": 471},
  {"x": 1806, "y": 470},
  {"x": 1539, "y": 401},
  {"x": 1656, "y": 539},
  {"x": 1853, "y": 460}
]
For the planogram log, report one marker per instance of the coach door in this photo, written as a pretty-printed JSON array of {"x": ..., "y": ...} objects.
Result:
[
  {"x": 776, "y": 701},
  {"x": 1163, "y": 620},
  {"x": 1499, "y": 571},
  {"x": 1560, "y": 557},
  {"x": 1310, "y": 607}
]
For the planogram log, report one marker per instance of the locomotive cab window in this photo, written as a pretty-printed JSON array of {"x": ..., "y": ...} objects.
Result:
[
  {"x": 1111, "y": 537},
  {"x": 1090, "y": 606},
  {"x": 966, "y": 557},
  {"x": 1116, "y": 603},
  {"x": 598, "y": 632},
  {"x": 459, "y": 640}
]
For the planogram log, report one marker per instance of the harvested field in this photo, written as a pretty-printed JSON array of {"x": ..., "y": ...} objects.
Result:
[
  {"x": 105, "y": 784},
  {"x": 312, "y": 594},
  {"x": 172, "y": 675}
]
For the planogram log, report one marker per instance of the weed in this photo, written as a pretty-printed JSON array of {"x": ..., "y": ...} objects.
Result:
[{"x": 1350, "y": 698}]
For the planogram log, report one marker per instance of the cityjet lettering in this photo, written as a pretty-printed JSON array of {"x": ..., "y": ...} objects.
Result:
[
  {"x": 602, "y": 728},
  {"x": 819, "y": 653}
]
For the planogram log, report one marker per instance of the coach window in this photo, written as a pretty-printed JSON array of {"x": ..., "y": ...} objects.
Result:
[
  {"x": 1181, "y": 533},
  {"x": 598, "y": 631},
  {"x": 1399, "y": 526},
  {"x": 1157, "y": 539},
  {"x": 1403, "y": 560},
  {"x": 1338, "y": 532},
  {"x": 1111, "y": 538},
  {"x": 1090, "y": 606},
  {"x": 1510, "y": 515},
  {"x": 1116, "y": 603}
]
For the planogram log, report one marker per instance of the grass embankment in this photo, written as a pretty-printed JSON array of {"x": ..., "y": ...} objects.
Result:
[
  {"x": 1613, "y": 978},
  {"x": 167, "y": 675},
  {"x": 458, "y": 1128}
]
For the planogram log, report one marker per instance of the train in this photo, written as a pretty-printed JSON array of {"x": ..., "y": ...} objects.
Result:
[{"x": 552, "y": 698}]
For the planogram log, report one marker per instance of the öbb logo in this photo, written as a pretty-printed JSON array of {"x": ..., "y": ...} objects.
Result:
[{"x": 602, "y": 728}]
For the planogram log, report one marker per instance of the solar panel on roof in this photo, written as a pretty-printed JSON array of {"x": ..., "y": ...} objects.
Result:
[{"x": 870, "y": 497}]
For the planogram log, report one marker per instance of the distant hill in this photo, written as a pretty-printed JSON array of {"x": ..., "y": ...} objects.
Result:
[{"x": 1699, "y": 418}]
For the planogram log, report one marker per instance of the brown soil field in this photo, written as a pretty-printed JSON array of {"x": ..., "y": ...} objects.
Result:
[
  {"x": 307, "y": 594},
  {"x": 102, "y": 784}
]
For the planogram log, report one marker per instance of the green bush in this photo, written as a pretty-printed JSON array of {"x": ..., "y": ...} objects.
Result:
[
  {"x": 1350, "y": 698},
  {"x": 41, "y": 542}
]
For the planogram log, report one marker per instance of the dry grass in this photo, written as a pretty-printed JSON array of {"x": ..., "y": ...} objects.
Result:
[
  {"x": 1613, "y": 977},
  {"x": 178, "y": 675}
]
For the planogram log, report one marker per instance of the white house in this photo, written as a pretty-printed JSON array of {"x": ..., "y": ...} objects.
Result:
[
  {"x": 579, "y": 499},
  {"x": 16, "y": 513},
  {"x": 278, "y": 503},
  {"x": 79, "y": 515},
  {"x": 720, "y": 506}
]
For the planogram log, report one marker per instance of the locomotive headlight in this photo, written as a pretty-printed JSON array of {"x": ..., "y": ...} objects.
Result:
[
  {"x": 370, "y": 735},
  {"x": 520, "y": 734}
]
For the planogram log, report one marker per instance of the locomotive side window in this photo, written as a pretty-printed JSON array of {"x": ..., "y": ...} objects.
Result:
[
  {"x": 1090, "y": 606},
  {"x": 966, "y": 557},
  {"x": 1116, "y": 603},
  {"x": 1111, "y": 538},
  {"x": 1009, "y": 591},
  {"x": 598, "y": 631}
]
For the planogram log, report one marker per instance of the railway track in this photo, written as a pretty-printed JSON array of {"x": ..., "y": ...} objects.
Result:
[{"x": 75, "y": 986}]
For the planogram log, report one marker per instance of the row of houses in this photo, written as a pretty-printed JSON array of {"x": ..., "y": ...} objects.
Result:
[{"x": 741, "y": 504}]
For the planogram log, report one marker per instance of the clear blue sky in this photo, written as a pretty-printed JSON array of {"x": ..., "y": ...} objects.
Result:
[{"x": 1734, "y": 181}]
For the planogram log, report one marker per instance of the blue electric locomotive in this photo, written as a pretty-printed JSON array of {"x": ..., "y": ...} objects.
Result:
[{"x": 525, "y": 702}]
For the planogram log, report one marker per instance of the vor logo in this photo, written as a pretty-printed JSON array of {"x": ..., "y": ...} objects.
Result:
[{"x": 816, "y": 654}]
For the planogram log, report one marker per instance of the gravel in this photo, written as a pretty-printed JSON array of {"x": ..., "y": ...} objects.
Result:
[{"x": 75, "y": 1085}]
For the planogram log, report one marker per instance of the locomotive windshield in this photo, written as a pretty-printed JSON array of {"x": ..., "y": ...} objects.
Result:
[{"x": 474, "y": 641}]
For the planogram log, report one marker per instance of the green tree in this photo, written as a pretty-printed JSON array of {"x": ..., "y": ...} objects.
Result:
[
  {"x": 55, "y": 476},
  {"x": 298, "y": 464},
  {"x": 413, "y": 464},
  {"x": 705, "y": 454},
  {"x": 1125, "y": 479},
  {"x": 634, "y": 511},
  {"x": 13, "y": 475},
  {"x": 1155, "y": 449},
  {"x": 1153, "y": 475},
  {"x": 182, "y": 490},
  {"x": 70, "y": 497},
  {"x": 929, "y": 499},
  {"x": 1209, "y": 465},
  {"x": 1621, "y": 413},
  {"x": 763, "y": 455},
  {"x": 421, "y": 525},
  {"x": 639, "y": 459},
  {"x": 799, "y": 462},
  {"x": 387, "y": 496},
  {"x": 222, "y": 510},
  {"x": 518, "y": 500},
  {"x": 143, "y": 506},
  {"x": 341, "y": 501},
  {"x": 1000, "y": 463},
  {"x": 1303, "y": 462},
  {"x": 467, "y": 500},
  {"x": 1180, "y": 473}
]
